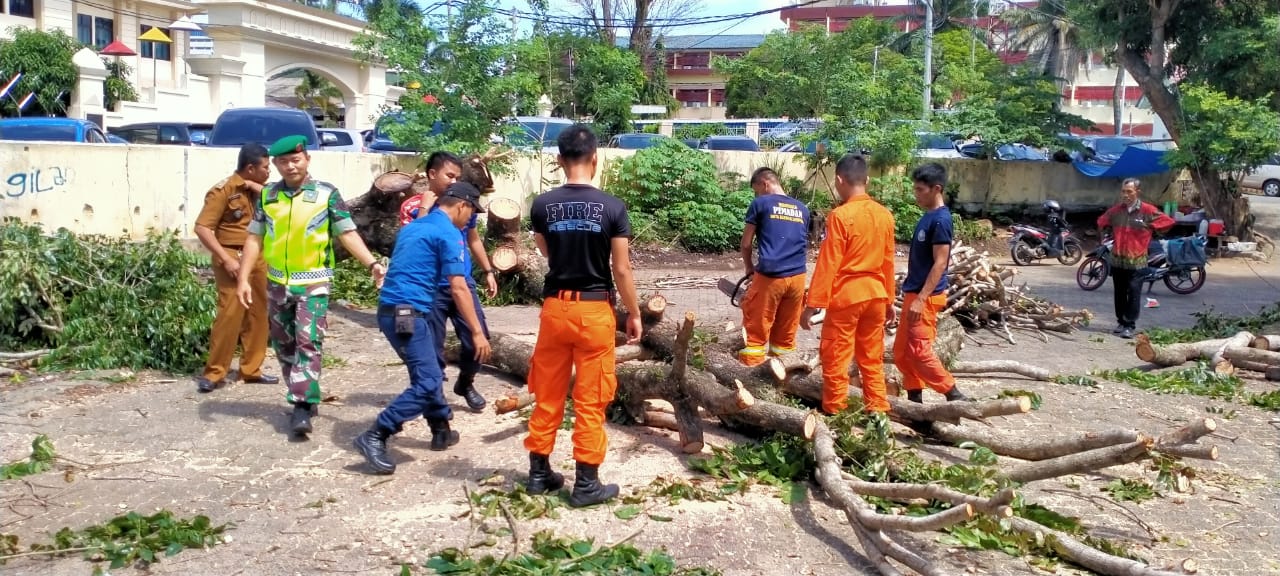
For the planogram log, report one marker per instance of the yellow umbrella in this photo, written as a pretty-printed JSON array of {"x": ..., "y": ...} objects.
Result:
[{"x": 154, "y": 35}]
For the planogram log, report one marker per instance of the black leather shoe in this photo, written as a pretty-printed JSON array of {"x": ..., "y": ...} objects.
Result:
[
  {"x": 263, "y": 379},
  {"x": 204, "y": 385},
  {"x": 955, "y": 395},
  {"x": 442, "y": 437},
  {"x": 916, "y": 396},
  {"x": 373, "y": 445},
  {"x": 300, "y": 424},
  {"x": 465, "y": 388},
  {"x": 541, "y": 478},
  {"x": 587, "y": 489}
]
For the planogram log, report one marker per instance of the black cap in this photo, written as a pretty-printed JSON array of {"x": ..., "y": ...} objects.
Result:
[{"x": 465, "y": 191}]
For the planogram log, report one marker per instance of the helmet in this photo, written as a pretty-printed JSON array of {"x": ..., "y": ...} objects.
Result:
[{"x": 1051, "y": 206}]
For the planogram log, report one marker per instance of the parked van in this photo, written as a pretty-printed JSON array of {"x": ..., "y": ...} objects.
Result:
[
  {"x": 238, "y": 126},
  {"x": 39, "y": 129},
  {"x": 167, "y": 133}
]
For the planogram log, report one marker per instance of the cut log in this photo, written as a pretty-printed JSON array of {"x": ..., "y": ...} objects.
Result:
[
  {"x": 782, "y": 366},
  {"x": 512, "y": 403},
  {"x": 1083, "y": 554},
  {"x": 686, "y": 411},
  {"x": 810, "y": 388},
  {"x": 1082, "y": 462},
  {"x": 663, "y": 420},
  {"x": 1251, "y": 358},
  {"x": 393, "y": 183},
  {"x": 1175, "y": 354},
  {"x": 1189, "y": 433},
  {"x": 506, "y": 258},
  {"x": 377, "y": 213},
  {"x": 1032, "y": 448},
  {"x": 1001, "y": 366},
  {"x": 1219, "y": 361},
  {"x": 1269, "y": 342},
  {"x": 502, "y": 223},
  {"x": 1197, "y": 451}
]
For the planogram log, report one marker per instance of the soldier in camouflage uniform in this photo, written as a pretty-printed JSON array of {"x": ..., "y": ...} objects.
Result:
[{"x": 294, "y": 228}]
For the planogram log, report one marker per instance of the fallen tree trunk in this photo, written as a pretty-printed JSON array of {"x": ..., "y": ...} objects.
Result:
[
  {"x": 376, "y": 213},
  {"x": 1030, "y": 448},
  {"x": 1084, "y": 554},
  {"x": 502, "y": 223},
  {"x": 1219, "y": 362},
  {"x": 1256, "y": 359},
  {"x": 1001, "y": 367},
  {"x": 1268, "y": 342},
  {"x": 1168, "y": 355}
]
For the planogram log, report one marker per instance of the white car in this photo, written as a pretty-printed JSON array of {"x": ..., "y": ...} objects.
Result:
[
  {"x": 1265, "y": 177},
  {"x": 341, "y": 140}
]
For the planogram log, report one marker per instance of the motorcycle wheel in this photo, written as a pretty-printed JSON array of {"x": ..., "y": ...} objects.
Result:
[
  {"x": 1092, "y": 273},
  {"x": 1021, "y": 253},
  {"x": 1072, "y": 252},
  {"x": 1186, "y": 280}
]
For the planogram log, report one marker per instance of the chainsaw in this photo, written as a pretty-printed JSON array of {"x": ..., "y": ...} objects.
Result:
[{"x": 735, "y": 292}]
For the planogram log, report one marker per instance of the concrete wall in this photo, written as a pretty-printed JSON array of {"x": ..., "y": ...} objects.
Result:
[{"x": 113, "y": 190}]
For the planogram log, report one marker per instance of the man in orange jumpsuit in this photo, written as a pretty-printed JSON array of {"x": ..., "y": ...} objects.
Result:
[
  {"x": 771, "y": 309},
  {"x": 586, "y": 236},
  {"x": 854, "y": 282},
  {"x": 927, "y": 275}
]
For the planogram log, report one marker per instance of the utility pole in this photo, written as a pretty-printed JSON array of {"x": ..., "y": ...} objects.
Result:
[
  {"x": 973, "y": 38},
  {"x": 928, "y": 58}
]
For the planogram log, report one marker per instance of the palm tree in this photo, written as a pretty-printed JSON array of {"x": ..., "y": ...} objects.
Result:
[
  {"x": 947, "y": 15},
  {"x": 1058, "y": 47},
  {"x": 408, "y": 9},
  {"x": 315, "y": 92}
]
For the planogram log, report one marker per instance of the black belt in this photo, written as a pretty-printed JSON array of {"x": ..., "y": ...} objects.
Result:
[
  {"x": 581, "y": 296},
  {"x": 389, "y": 310}
]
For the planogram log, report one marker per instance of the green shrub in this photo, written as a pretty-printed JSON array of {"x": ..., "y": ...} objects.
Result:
[
  {"x": 703, "y": 227},
  {"x": 103, "y": 302},
  {"x": 894, "y": 192}
]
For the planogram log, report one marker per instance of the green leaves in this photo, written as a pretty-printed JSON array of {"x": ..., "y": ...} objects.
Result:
[
  {"x": 564, "y": 557},
  {"x": 1126, "y": 490},
  {"x": 135, "y": 539},
  {"x": 1224, "y": 133},
  {"x": 41, "y": 459},
  {"x": 44, "y": 59},
  {"x": 1199, "y": 380},
  {"x": 103, "y": 302}
]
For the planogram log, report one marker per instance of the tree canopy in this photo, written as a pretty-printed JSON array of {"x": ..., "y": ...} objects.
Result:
[{"x": 44, "y": 60}]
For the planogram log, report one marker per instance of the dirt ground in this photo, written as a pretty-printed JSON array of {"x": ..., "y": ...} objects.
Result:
[{"x": 308, "y": 507}]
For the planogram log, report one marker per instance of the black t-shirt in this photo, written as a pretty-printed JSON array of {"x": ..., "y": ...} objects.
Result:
[{"x": 579, "y": 223}]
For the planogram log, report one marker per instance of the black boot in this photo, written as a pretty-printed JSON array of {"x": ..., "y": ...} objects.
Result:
[
  {"x": 373, "y": 445},
  {"x": 541, "y": 478},
  {"x": 300, "y": 424},
  {"x": 587, "y": 489},
  {"x": 442, "y": 437},
  {"x": 465, "y": 388},
  {"x": 916, "y": 396},
  {"x": 955, "y": 395}
]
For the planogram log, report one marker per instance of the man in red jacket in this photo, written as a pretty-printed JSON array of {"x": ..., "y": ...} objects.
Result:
[{"x": 1131, "y": 222}]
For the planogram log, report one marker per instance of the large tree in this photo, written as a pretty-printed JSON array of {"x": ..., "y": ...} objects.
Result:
[
  {"x": 44, "y": 60},
  {"x": 582, "y": 76},
  {"x": 1229, "y": 49}
]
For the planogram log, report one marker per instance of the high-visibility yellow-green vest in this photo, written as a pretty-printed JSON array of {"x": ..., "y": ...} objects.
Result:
[{"x": 296, "y": 242}]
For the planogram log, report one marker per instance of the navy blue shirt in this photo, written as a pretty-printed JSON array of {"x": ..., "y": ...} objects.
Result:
[
  {"x": 428, "y": 251},
  {"x": 934, "y": 228},
  {"x": 782, "y": 230},
  {"x": 466, "y": 254}
]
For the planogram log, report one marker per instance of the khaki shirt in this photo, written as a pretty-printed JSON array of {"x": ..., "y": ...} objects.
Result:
[{"x": 228, "y": 209}]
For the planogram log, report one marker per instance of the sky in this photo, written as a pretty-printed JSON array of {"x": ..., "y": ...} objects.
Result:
[{"x": 708, "y": 8}]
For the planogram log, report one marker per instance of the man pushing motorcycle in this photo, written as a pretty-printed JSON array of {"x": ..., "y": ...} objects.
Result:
[{"x": 1131, "y": 222}]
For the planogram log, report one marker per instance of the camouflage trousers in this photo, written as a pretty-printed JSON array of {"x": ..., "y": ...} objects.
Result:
[{"x": 297, "y": 316}]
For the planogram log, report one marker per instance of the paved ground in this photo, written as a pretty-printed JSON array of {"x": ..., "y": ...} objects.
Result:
[{"x": 308, "y": 507}]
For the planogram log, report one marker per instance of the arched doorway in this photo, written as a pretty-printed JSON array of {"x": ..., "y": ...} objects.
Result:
[{"x": 313, "y": 89}]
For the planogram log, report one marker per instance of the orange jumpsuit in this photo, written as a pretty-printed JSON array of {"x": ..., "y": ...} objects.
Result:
[{"x": 854, "y": 281}]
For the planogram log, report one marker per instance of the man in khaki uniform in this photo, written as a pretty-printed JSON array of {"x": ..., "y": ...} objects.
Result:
[{"x": 222, "y": 226}]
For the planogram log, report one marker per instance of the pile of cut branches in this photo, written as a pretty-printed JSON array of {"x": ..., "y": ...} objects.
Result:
[
  {"x": 696, "y": 378},
  {"x": 92, "y": 302}
]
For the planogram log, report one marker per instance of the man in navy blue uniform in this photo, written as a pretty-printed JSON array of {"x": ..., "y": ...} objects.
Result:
[{"x": 427, "y": 251}]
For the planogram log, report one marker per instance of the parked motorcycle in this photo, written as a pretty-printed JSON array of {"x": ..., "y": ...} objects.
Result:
[
  {"x": 1181, "y": 276},
  {"x": 1030, "y": 243}
]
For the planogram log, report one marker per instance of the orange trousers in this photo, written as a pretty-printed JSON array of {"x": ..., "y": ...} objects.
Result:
[
  {"x": 234, "y": 324},
  {"x": 771, "y": 315},
  {"x": 854, "y": 331},
  {"x": 572, "y": 335},
  {"x": 913, "y": 347}
]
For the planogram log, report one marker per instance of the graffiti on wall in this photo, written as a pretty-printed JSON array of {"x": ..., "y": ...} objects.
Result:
[{"x": 34, "y": 181}]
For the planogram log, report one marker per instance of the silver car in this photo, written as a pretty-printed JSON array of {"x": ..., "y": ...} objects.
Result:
[
  {"x": 341, "y": 140},
  {"x": 1265, "y": 177}
]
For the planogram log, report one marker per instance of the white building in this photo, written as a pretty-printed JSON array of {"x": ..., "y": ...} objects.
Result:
[{"x": 226, "y": 65}]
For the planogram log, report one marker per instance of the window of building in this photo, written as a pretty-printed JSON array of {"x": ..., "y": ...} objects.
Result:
[
  {"x": 23, "y": 8},
  {"x": 95, "y": 31},
  {"x": 162, "y": 50},
  {"x": 694, "y": 60}
]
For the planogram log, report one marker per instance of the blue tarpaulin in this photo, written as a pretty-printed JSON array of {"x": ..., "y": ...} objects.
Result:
[{"x": 1135, "y": 161}]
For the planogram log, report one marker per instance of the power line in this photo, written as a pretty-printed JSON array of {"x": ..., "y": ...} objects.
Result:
[{"x": 652, "y": 22}]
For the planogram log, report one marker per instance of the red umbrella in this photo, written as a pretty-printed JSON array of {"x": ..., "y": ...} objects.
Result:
[
  {"x": 116, "y": 48},
  {"x": 429, "y": 99}
]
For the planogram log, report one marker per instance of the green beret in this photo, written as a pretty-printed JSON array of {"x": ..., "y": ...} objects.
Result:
[{"x": 288, "y": 145}]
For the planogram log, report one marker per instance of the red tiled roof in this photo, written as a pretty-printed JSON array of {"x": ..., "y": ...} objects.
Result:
[
  {"x": 1131, "y": 93},
  {"x": 1109, "y": 129}
]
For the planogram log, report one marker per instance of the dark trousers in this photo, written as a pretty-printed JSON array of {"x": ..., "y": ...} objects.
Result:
[
  {"x": 447, "y": 309},
  {"x": 423, "y": 397},
  {"x": 1128, "y": 294}
]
